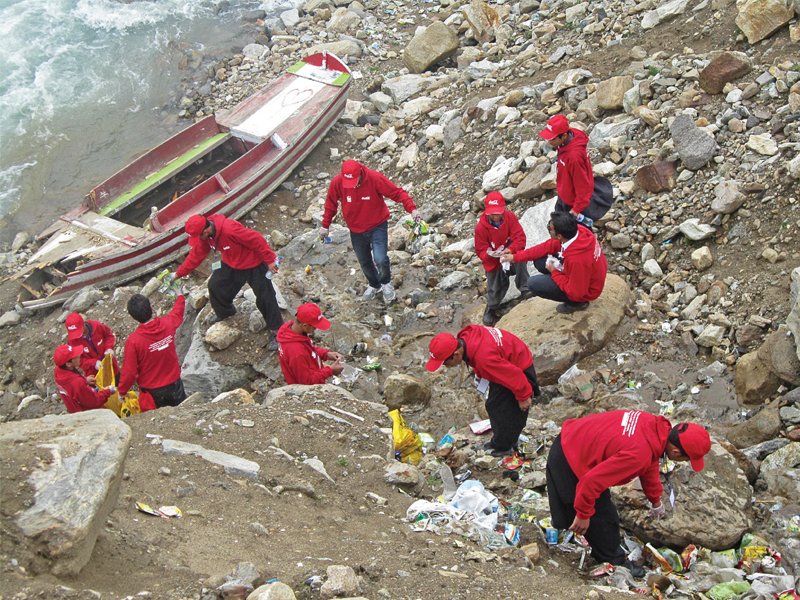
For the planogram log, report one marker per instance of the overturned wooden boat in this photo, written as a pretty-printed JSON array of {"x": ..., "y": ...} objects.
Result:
[{"x": 132, "y": 223}]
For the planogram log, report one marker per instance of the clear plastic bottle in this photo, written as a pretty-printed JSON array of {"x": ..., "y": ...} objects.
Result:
[{"x": 278, "y": 262}]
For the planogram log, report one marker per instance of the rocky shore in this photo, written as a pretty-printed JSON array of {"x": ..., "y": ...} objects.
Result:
[{"x": 693, "y": 113}]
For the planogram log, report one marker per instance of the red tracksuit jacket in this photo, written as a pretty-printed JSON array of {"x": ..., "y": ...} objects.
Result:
[
  {"x": 301, "y": 361},
  {"x": 364, "y": 207},
  {"x": 150, "y": 356},
  {"x": 585, "y": 265},
  {"x": 239, "y": 247},
  {"x": 611, "y": 448},
  {"x": 487, "y": 237},
  {"x": 76, "y": 393},
  {"x": 94, "y": 347},
  {"x": 574, "y": 177},
  {"x": 499, "y": 356}
]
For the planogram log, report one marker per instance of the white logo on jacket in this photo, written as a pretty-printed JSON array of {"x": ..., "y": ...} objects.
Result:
[
  {"x": 630, "y": 419},
  {"x": 496, "y": 334},
  {"x": 160, "y": 344}
]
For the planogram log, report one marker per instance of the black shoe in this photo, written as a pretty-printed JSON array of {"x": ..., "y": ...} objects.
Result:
[
  {"x": 272, "y": 343},
  {"x": 497, "y": 452},
  {"x": 488, "y": 446},
  {"x": 566, "y": 308},
  {"x": 636, "y": 570},
  {"x": 525, "y": 294},
  {"x": 489, "y": 317},
  {"x": 215, "y": 318}
]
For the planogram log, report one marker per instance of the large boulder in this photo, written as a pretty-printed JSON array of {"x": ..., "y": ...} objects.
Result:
[
  {"x": 611, "y": 91},
  {"x": 534, "y": 222},
  {"x": 404, "y": 87},
  {"x": 753, "y": 380},
  {"x": 762, "y": 427},
  {"x": 67, "y": 470},
  {"x": 779, "y": 354},
  {"x": 201, "y": 373},
  {"x": 664, "y": 12},
  {"x": 781, "y": 471},
  {"x": 712, "y": 507},
  {"x": 342, "y": 48},
  {"x": 759, "y": 18},
  {"x": 793, "y": 320},
  {"x": 724, "y": 68},
  {"x": 401, "y": 390},
  {"x": 559, "y": 341},
  {"x": 432, "y": 45},
  {"x": 659, "y": 176},
  {"x": 695, "y": 146}
]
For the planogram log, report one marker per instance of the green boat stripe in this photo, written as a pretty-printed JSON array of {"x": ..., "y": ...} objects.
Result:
[{"x": 170, "y": 169}]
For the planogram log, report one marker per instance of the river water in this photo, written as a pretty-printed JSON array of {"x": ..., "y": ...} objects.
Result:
[{"x": 88, "y": 85}]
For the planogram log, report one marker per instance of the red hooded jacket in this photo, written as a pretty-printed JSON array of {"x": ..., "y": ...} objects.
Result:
[
  {"x": 499, "y": 356},
  {"x": 76, "y": 393},
  {"x": 101, "y": 338},
  {"x": 585, "y": 265},
  {"x": 301, "y": 361},
  {"x": 150, "y": 356},
  {"x": 364, "y": 207},
  {"x": 574, "y": 177},
  {"x": 240, "y": 247},
  {"x": 610, "y": 449},
  {"x": 487, "y": 237}
]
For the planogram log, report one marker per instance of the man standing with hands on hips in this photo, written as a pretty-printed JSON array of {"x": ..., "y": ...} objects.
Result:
[
  {"x": 361, "y": 192},
  {"x": 244, "y": 257}
]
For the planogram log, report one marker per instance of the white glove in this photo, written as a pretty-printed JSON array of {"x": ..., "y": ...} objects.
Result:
[
  {"x": 112, "y": 389},
  {"x": 97, "y": 365},
  {"x": 323, "y": 233},
  {"x": 657, "y": 511},
  {"x": 108, "y": 351},
  {"x": 415, "y": 215}
]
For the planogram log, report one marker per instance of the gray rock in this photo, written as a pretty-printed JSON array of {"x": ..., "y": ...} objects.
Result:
[
  {"x": 381, "y": 101},
  {"x": 793, "y": 320},
  {"x": 272, "y": 591},
  {"x": 401, "y": 390},
  {"x": 232, "y": 465},
  {"x": 760, "y": 451},
  {"x": 10, "y": 318},
  {"x": 781, "y": 471},
  {"x": 482, "y": 68},
  {"x": 20, "y": 241},
  {"x": 651, "y": 268},
  {"x": 712, "y": 508},
  {"x": 711, "y": 336},
  {"x": 794, "y": 167},
  {"x": 531, "y": 186},
  {"x": 343, "y": 20},
  {"x": 402, "y": 474},
  {"x": 790, "y": 415},
  {"x": 694, "y": 146},
  {"x": 201, "y": 373},
  {"x": 83, "y": 300},
  {"x": 73, "y": 490},
  {"x": 779, "y": 354},
  {"x": 404, "y": 87},
  {"x": 221, "y": 335},
  {"x": 702, "y": 258},
  {"x": 765, "y": 425},
  {"x": 255, "y": 51},
  {"x": 429, "y": 47},
  {"x": 496, "y": 177},
  {"x": 290, "y": 18},
  {"x": 456, "y": 279},
  {"x": 569, "y": 78},
  {"x": 534, "y": 222},
  {"x": 727, "y": 197},
  {"x": 612, "y": 127},
  {"x": 763, "y": 144},
  {"x": 695, "y": 230},
  {"x": 341, "y": 582},
  {"x": 342, "y": 48},
  {"x": 620, "y": 241},
  {"x": 559, "y": 341},
  {"x": 664, "y": 12}
]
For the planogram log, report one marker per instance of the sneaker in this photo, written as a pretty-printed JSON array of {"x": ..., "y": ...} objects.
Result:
[
  {"x": 497, "y": 452},
  {"x": 525, "y": 294},
  {"x": 388, "y": 293},
  {"x": 215, "y": 318},
  {"x": 488, "y": 446},
  {"x": 636, "y": 570},
  {"x": 566, "y": 308},
  {"x": 489, "y": 317},
  {"x": 272, "y": 343},
  {"x": 370, "y": 293}
]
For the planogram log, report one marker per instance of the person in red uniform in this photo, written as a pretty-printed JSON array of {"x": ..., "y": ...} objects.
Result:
[
  {"x": 497, "y": 231},
  {"x": 244, "y": 257},
  {"x": 571, "y": 264},
  {"x": 504, "y": 375},
  {"x": 96, "y": 338},
  {"x": 150, "y": 359},
  {"x": 301, "y": 361},
  {"x": 74, "y": 388},
  {"x": 600, "y": 451},
  {"x": 361, "y": 192}
]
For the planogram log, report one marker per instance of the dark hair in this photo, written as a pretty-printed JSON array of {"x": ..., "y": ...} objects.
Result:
[
  {"x": 564, "y": 224},
  {"x": 139, "y": 308},
  {"x": 674, "y": 437}
]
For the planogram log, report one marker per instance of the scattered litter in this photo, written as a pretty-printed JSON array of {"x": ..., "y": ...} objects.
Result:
[
  {"x": 244, "y": 422},
  {"x": 576, "y": 383},
  {"x": 165, "y": 512},
  {"x": 407, "y": 444},
  {"x": 372, "y": 364},
  {"x": 480, "y": 427}
]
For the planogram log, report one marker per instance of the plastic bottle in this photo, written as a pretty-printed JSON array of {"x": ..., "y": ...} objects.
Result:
[
  {"x": 584, "y": 220},
  {"x": 278, "y": 262}
]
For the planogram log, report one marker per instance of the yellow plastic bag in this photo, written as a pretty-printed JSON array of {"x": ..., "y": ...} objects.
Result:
[
  {"x": 104, "y": 378},
  {"x": 407, "y": 444}
]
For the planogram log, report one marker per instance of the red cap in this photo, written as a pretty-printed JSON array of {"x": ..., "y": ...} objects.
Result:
[
  {"x": 66, "y": 353},
  {"x": 351, "y": 170},
  {"x": 695, "y": 442},
  {"x": 495, "y": 203},
  {"x": 555, "y": 127},
  {"x": 195, "y": 225},
  {"x": 74, "y": 325},
  {"x": 441, "y": 348},
  {"x": 310, "y": 314}
]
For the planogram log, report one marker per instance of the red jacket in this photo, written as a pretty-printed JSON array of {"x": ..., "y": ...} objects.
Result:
[
  {"x": 100, "y": 339},
  {"x": 499, "y": 356},
  {"x": 487, "y": 237},
  {"x": 76, "y": 393},
  {"x": 364, "y": 207},
  {"x": 585, "y": 265},
  {"x": 239, "y": 247},
  {"x": 301, "y": 361},
  {"x": 611, "y": 448},
  {"x": 150, "y": 357},
  {"x": 574, "y": 177}
]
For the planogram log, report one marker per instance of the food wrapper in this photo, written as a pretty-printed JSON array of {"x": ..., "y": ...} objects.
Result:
[
  {"x": 512, "y": 534},
  {"x": 689, "y": 556},
  {"x": 407, "y": 444}
]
